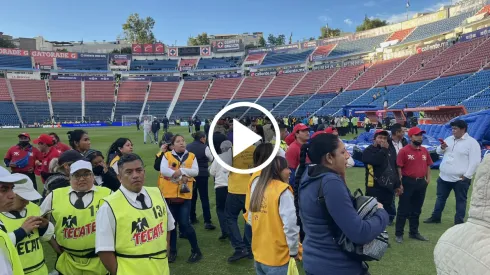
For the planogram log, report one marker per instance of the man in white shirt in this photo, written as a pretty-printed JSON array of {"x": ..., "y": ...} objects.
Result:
[
  {"x": 147, "y": 130},
  {"x": 462, "y": 155},
  {"x": 146, "y": 209}
]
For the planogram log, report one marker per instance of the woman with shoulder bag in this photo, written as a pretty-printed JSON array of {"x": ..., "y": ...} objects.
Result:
[{"x": 326, "y": 208}]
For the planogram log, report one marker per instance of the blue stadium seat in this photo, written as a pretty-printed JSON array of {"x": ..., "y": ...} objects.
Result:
[
  {"x": 282, "y": 58},
  {"x": 33, "y": 111},
  {"x": 211, "y": 107},
  {"x": 154, "y": 65},
  {"x": 8, "y": 116},
  {"x": 358, "y": 46},
  {"x": 99, "y": 111},
  {"x": 219, "y": 63},
  {"x": 67, "y": 111},
  {"x": 15, "y": 61},
  {"x": 185, "y": 109}
]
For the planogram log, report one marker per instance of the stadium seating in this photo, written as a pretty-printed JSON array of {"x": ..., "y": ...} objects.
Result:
[
  {"x": 82, "y": 64},
  {"x": 400, "y": 35},
  {"x": 154, "y": 65},
  {"x": 44, "y": 61},
  {"x": 218, "y": 63},
  {"x": 188, "y": 62},
  {"x": 31, "y": 100},
  {"x": 479, "y": 102},
  {"x": 462, "y": 90},
  {"x": 285, "y": 58},
  {"x": 323, "y": 51},
  {"x": 337, "y": 102},
  {"x": 422, "y": 95},
  {"x": 443, "y": 61},
  {"x": 219, "y": 94},
  {"x": 342, "y": 79},
  {"x": 161, "y": 94},
  {"x": 485, "y": 9},
  {"x": 255, "y": 57},
  {"x": 363, "y": 45},
  {"x": 280, "y": 87},
  {"x": 375, "y": 73},
  {"x": 473, "y": 61},
  {"x": 395, "y": 93},
  {"x": 191, "y": 95},
  {"x": 130, "y": 98},
  {"x": 99, "y": 98},
  {"x": 66, "y": 99},
  {"x": 315, "y": 103},
  {"x": 290, "y": 104},
  {"x": 252, "y": 87},
  {"x": 438, "y": 27},
  {"x": 8, "y": 116},
  {"x": 312, "y": 82},
  {"x": 409, "y": 67},
  {"x": 15, "y": 61}
]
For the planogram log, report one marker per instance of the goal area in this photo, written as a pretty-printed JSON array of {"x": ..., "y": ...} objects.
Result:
[{"x": 130, "y": 120}]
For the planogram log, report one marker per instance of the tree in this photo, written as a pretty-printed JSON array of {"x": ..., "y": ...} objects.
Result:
[
  {"x": 261, "y": 42},
  {"x": 329, "y": 32},
  {"x": 272, "y": 40},
  {"x": 126, "y": 50},
  {"x": 139, "y": 30},
  {"x": 62, "y": 50},
  {"x": 5, "y": 43},
  {"x": 200, "y": 39},
  {"x": 276, "y": 41},
  {"x": 368, "y": 24},
  {"x": 312, "y": 39}
]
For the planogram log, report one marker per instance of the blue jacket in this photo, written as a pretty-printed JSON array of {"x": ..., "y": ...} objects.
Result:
[{"x": 322, "y": 255}]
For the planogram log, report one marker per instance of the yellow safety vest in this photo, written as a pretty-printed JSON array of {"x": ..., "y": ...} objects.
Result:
[
  {"x": 269, "y": 244},
  {"x": 75, "y": 228},
  {"x": 114, "y": 160},
  {"x": 237, "y": 183},
  {"x": 30, "y": 250},
  {"x": 140, "y": 235},
  {"x": 249, "y": 195},
  {"x": 171, "y": 189},
  {"x": 8, "y": 249}
]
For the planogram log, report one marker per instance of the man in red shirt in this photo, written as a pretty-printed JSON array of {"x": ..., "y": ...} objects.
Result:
[
  {"x": 301, "y": 134},
  {"x": 45, "y": 144},
  {"x": 61, "y": 147},
  {"x": 414, "y": 164},
  {"x": 21, "y": 158}
]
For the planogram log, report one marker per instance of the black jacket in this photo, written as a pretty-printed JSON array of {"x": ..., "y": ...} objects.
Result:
[
  {"x": 199, "y": 150},
  {"x": 378, "y": 159},
  {"x": 110, "y": 180},
  {"x": 155, "y": 126}
]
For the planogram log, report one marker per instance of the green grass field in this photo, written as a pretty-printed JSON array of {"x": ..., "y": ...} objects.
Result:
[{"x": 411, "y": 257}]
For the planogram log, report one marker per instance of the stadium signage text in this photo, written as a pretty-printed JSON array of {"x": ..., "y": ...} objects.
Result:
[
  {"x": 432, "y": 46},
  {"x": 92, "y": 55},
  {"x": 17, "y": 52},
  {"x": 293, "y": 70},
  {"x": 340, "y": 64},
  {"x": 232, "y": 75},
  {"x": 54, "y": 54},
  {"x": 24, "y": 75},
  {"x": 475, "y": 34},
  {"x": 230, "y": 45},
  {"x": 263, "y": 73}
]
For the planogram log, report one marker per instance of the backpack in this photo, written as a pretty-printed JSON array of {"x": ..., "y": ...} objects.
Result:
[{"x": 365, "y": 207}]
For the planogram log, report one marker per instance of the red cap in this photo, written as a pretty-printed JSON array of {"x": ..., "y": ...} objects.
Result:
[
  {"x": 24, "y": 135},
  {"x": 44, "y": 138},
  {"x": 300, "y": 127},
  {"x": 330, "y": 130},
  {"x": 290, "y": 139},
  {"x": 415, "y": 131},
  {"x": 317, "y": 133},
  {"x": 381, "y": 131}
]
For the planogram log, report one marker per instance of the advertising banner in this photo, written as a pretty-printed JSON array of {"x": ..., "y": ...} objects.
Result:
[
  {"x": 62, "y": 77},
  {"x": 264, "y": 73},
  {"x": 83, "y": 125},
  {"x": 165, "y": 78},
  {"x": 189, "y": 51},
  {"x": 332, "y": 40},
  {"x": 98, "y": 78},
  {"x": 54, "y": 54},
  {"x": 93, "y": 56},
  {"x": 309, "y": 44},
  {"x": 198, "y": 77},
  {"x": 173, "y": 52},
  {"x": 226, "y": 46},
  {"x": 232, "y": 75},
  {"x": 24, "y": 75},
  {"x": 285, "y": 48},
  {"x": 260, "y": 50},
  {"x": 330, "y": 65},
  {"x": 16, "y": 52},
  {"x": 159, "y": 48},
  {"x": 137, "y": 78},
  {"x": 137, "y": 48},
  {"x": 120, "y": 59},
  {"x": 148, "y": 48},
  {"x": 292, "y": 70},
  {"x": 433, "y": 46},
  {"x": 475, "y": 34}
]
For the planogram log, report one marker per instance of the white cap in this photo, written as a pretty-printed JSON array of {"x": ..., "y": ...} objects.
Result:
[
  {"x": 26, "y": 190},
  {"x": 6, "y": 177},
  {"x": 80, "y": 165}
]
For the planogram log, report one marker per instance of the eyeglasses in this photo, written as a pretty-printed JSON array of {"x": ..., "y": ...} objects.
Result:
[{"x": 82, "y": 175}]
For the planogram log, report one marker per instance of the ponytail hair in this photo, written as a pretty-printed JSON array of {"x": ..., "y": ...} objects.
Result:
[
  {"x": 114, "y": 149},
  {"x": 297, "y": 179},
  {"x": 271, "y": 172},
  {"x": 75, "y": 136}
]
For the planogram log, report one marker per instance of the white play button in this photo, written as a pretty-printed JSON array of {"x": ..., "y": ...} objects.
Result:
[{"x": 243, "y": 137}]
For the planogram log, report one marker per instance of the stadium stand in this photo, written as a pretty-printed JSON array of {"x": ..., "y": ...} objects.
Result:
[
  {"x": 342, "y": 79},
  {"x": 44, "y": 61},
  {"x": 8, "y": 116},
  {"x": 255, "y": 57},
  {"x": 66, "y": 99},
  {"x": 252, "y": 87},
  {"x": 485, "y": 9},
  {"x": 191, "y": 95},
  {"x": 154, "y": 65},
  {"x": 400, "y": 35},
  {"x": 312, "y": 82},
  {"x": 218, "y": 96},
  {"x": 99, "y": 98},
  {"x": 161, "y": 94},
  {"x": 82, "y": 64},
  {"x": 337, "y": 102},
  {"x": 478, "y": 102},
  {"x": 188, "y": 62},
  {"x": 473, "y": 61},
  {"x": 359, "y": 46},
  {"x": 285, "y": 58},
  {"x": 31, "y": 100},
  {"x": 15, "y": 61},
  {"x": 438, "y": 27},
  {"x": 130, "y": 98},
  {"x": 323, "y": 51},
  {"x": 315, "y": 103},
  {"x": 218, "y": 63},
  {"x": 278, "y": 89},
  {"x": 375, "y": 73},
  {"x": 396, "y": 93}
]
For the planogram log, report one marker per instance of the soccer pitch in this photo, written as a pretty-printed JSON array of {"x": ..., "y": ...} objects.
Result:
[{"x": 410, "y": 258}]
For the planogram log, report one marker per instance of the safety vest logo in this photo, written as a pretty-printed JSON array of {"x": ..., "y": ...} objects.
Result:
[
  {"x": 70, "y": 231},
  {"x": 143, "y": 234},
  {"x": 28, "y": 246}
]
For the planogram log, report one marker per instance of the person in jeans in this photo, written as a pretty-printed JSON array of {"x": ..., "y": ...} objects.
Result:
[
  {"x": 203, "y": 155},
  {"x": 220, "y": 175},
  {"x": 178, "y": 168},
  {"x": 414, "y": 164},
  {"x": 462, "y": 155},
  {"x": 324, "y": 197},
  {"x": 272, "y": 215}
]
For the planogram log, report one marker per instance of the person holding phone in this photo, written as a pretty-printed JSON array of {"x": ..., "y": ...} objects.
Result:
[{"x": 462, "y": 155}]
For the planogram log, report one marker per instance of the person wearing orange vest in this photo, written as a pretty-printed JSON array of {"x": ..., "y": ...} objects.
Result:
[
  {"x": 177, "y": 171},
  {"x": 275, "y": 234}
]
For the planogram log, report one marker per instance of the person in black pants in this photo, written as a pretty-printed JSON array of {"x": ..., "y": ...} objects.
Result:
[
  {"x": 203, "y": 156},
  {"x": 414, "y": 164}
]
